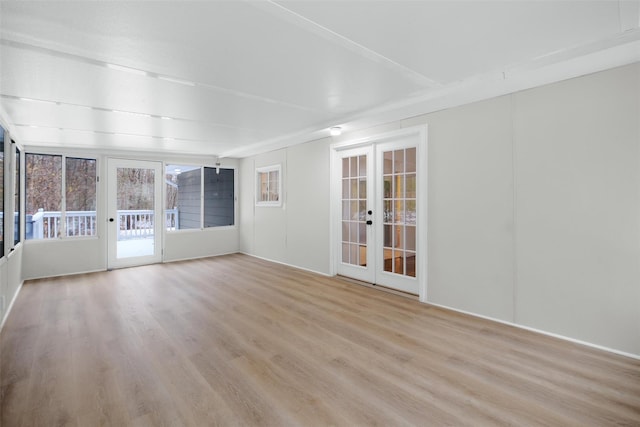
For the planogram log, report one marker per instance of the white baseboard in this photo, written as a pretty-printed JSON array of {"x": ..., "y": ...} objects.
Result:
[
  {"x": 74, "y": 273},
  {"x": 198, "y": 257},
  {"x": 288, "y": 265},
  {"x": 539, "y": 331}
]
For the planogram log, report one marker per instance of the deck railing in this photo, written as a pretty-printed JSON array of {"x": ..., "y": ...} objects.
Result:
[{"x": 132, "y": 224}]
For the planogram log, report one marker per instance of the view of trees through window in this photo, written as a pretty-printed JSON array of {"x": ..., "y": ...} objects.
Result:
[{"x": 44, "y": 202}]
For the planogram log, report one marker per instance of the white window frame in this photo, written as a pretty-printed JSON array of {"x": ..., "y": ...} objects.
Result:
[{"x": 267, "y": 169}]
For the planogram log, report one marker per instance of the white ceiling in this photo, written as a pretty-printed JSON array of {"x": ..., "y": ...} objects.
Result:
[{"x": 233, "y": 78}]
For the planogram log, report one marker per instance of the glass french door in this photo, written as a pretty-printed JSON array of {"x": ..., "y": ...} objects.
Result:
[
  {"x": 356, "y": 249},
  {"x": 134, "y": 212},
  {"x": 379, "y": 214}
]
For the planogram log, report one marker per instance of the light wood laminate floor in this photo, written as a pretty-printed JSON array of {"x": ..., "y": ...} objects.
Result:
[{"x": 235, "y": 340}]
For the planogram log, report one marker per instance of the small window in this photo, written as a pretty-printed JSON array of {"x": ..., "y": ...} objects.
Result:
[{"x": 269, "y": 186}]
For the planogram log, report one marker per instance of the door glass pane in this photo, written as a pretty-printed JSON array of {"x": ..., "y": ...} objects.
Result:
[
  {"x": 388, "y": 260},
  {"x": 410, "y": 160},
  {"x": 362, "y": 166},
  {"x": 135, "y": 212},
  {"x": 354, "y": 210},
  {"x": 398, "y": 161},
  {"x": 410, "y": 186},
  {"x": 411, "y": 264},
  {"x": 399, "y": 204},
  {"x": 387, "y": 162},
  {"x": 410, "y": 236}
]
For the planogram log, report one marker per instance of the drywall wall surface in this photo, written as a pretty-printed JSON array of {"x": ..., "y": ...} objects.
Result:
[
  {"x": 188, "y": 244},
  {"x": 308, "y": 206},
  {"x": 270, "y": 222},
  {"x": 246, "y": 204},
  {"x": 470, "y": 209},
  {"x": 59, "y": 257},
  {"x": 11, "y": 280},
  {"x": 533, "y": 207},
  {"x": 577, "y": 146}
]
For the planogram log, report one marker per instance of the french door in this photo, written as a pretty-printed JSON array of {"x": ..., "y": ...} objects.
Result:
[
  {"x": 134, "y": 212},
  {"x": 380, "y": 216}
]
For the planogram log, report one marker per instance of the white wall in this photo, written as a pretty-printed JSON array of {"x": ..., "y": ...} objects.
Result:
[
  {"x": 534, "y": 207},
  {"x": 577, "y": 233},
  {"x": 297, "y": 232},
  {"x": 10, "y": 280}
]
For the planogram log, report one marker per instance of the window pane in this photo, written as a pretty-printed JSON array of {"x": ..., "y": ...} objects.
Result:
[
  {"x": 387, "y": 162},
  {"x": 43, "y": 192},
  {"x": 362, "y": 165},
  {"x": 16, "y": 214},
  {"x": 398, "y": 161},
  {"x": 1, "y": 191},
  {"x": 80, "y": 191},
  {"x": 345, "y": 167},
  {"x": 411, "y": 159},
  {"x": 219, "y": 197},
  {"x": 267, "y": 185},
  {"x": 136, "y": 217},
  {"x": 354, "y": 166},
  {"x": 182, "y": 207}
]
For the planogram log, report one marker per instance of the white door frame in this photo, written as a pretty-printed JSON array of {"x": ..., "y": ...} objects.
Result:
[
  {"x": 335, "y": 192},
  {"x": 112, "y": 165}
]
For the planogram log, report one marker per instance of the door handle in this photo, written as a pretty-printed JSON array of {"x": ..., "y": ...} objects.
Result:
[
  {"x": 369, "y": 222},
  {"x": 111, "y": 219}
]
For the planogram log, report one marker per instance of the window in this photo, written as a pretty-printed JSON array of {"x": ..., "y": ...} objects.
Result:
[
  {"x": 53, "y": 211},
  {"x": 1, "y": 191},
  {"x": 16, "y": 214},
  {"x": 199, "y": 197},
  {"x": 219, "y": 197},
  {"x": 268, "y": 186},
  {"x": 43, "y": 194},
  {"x": 183, "y": 198},
  {"x": 80, "y": 197}
]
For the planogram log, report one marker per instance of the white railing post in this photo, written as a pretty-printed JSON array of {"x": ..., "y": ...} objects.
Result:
[{"x": 38, "y": 224}]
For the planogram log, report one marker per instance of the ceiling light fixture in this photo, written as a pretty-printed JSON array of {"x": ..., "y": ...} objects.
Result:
[
  {"x": 180, "y": 82},
  {"x": 126, "y": 69},
  {"x": 165, "y": 118},
  {"x": 335, "y": 131}
]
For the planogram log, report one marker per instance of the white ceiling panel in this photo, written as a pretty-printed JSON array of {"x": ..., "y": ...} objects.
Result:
[
  {"x": 48, "y": 115},
  {"x": 231, "y": 44},
  {"x": 454, "y": 40},
  {"x": 240, "y": 77}
]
